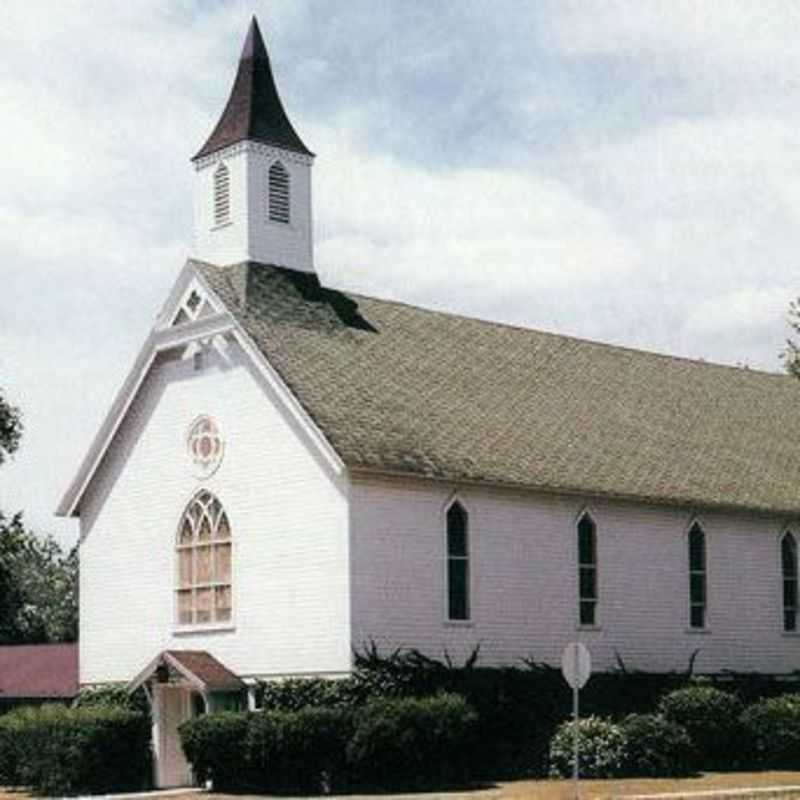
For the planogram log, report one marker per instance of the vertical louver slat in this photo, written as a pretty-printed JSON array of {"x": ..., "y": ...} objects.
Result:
[
  {"x": 222, "y": 201},
  {"x": 279, "y": 193}
]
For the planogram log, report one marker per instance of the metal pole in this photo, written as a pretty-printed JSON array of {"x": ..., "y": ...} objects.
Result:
[{"x": 575, "y": 776}]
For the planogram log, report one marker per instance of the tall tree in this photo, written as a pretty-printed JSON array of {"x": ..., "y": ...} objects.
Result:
[
  {"x": 791, "y": 355},
  {"x": 10, "y": 428},
  {"x": 38, "y": 580}
]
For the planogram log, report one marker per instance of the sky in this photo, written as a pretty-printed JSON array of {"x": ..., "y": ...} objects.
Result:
[{"x": 624, "y": 170}]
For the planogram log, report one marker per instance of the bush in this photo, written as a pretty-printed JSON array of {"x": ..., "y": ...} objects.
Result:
[
  {"x": 711, "y": 718},
  {"x": 58, "y": 751},
  {"x": 656, "y": 747},
  {"x": 113, "y": 696},
  {"x": 412, "y": 742},
  {"x": 9, "y": 774},
  {"x": 602, "y": 749},
  {"x": 772, "y": 728},
  {"x": 300, "y": 751},
  {"x": 214, "y": 745}
]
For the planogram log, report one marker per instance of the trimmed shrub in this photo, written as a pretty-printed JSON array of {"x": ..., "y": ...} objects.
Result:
[
  {"x": 602, "y": 749},
  {"x": 214, "y": 745},
  {"x": 772, "y": 728},
  {"x": 9, "y": 774},
  {"x": 711, "y": 718},
  {"x": 413, "y": 742},
  {"x": 656, "y": 747},
  {"x": 61, "y": 751},
  {"x": 300, "y": 751},
  {"x": 113, "y": 696}
]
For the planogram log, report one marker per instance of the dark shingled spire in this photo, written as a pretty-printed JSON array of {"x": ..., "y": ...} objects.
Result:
[{"x": 254, "y": 110}]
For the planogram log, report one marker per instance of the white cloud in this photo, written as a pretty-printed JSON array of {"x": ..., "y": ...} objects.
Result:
[
  {"x": 741, "y": 312},
  {"x": 383, "y": 222}
]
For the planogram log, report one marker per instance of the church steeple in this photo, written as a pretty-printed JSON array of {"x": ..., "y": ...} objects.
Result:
[
  {"x": 254, "y": 110},
  {"x": 253, "y": 175}
]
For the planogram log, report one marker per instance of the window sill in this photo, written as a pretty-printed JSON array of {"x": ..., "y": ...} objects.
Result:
[
  {"x": 459, "y": 623},
  {"x": 588, "y": 628},
  {"x": 697, "y": 631},
  {"x": 791, "y": 634},
  {"x": 213, "y": 627}
]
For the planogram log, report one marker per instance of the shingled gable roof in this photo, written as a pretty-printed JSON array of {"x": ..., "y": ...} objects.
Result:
[
  {"x": 254, "y": 110},
  {"x": 399, "y": 389}
]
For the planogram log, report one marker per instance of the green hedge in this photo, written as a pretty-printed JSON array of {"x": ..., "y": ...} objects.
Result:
[
  {"x": 214, "y": 745},
  {"x": 772, "y": 729},
  {"x": 413, "y": 743},
  {"x": 656, "y": 747},
  {"x": 519, "y": 708},
  {"x": 711, "y": 717},
  {"x": 300, "y": 751},
  {"x": 62, "y": 751},
  {"x": 400, "y": 742}
]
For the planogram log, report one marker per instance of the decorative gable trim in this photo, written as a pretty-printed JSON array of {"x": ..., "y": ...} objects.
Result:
[{"x": 166, "y": 336}]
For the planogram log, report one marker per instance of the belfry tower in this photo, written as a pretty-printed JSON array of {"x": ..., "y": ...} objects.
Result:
[{"x": 252, "y": 188}]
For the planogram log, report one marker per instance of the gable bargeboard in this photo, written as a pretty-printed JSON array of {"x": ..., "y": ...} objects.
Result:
[{"x": 288, "y": 517}]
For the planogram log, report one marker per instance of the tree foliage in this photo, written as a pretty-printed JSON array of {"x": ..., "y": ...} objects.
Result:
[
  {"x": 38, "y": 586},
  {"x": 10, "y": 428},
  {"x": 791, "y": 355}
]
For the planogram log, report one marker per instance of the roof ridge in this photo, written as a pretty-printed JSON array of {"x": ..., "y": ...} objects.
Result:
[
  {"x": 639, "y": 351},
  {"x": 697, "y": 361}
]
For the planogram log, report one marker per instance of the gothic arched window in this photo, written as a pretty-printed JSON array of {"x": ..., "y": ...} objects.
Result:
[
  {"x": 587, "y": 570},
  {"x": 222, "y": 195},
  {"x": 457, "y": 562},
  {"x": 204, "y": 563},
  {"x": 789, "y": 570},
  {"x": 697, "y": 577},
  {"x": 279, "y": 205}
]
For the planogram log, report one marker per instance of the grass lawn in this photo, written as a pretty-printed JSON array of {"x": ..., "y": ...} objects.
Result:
[{"x": 562, "y": 790}]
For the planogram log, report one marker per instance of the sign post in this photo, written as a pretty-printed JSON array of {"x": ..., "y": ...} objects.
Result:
[{"x": 576, "y": 667}]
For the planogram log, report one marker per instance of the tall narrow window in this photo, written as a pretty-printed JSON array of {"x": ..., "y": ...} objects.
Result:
[
  {"x": 457, "y": 562},
  {"x": 222, "y": 195},
  {"x": 279, "y": 193},
  {"x": 204, "y": 563},
  {"x": 789, "y": 568},
  {"x": 697, "y": 577},
  {"x": 587, "y": 570}
]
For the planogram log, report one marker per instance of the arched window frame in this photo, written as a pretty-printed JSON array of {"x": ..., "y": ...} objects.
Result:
[
  {"x": 204, "y": 564},
  {"x": 457, "y": 566},
  {"x": 586, "y": 569},
  {"x": 279, "y": 194},
  {"x": 221, "y": 194},
  {"x": 789, "y": 581},
  {"x": 697, "y": 572}
]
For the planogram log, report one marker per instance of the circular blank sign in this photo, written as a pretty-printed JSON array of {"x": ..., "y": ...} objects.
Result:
[{"x": 576, "y": 665}]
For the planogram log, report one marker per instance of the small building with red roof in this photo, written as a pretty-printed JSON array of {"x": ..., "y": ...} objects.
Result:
[{"x": 38, "y": 672}]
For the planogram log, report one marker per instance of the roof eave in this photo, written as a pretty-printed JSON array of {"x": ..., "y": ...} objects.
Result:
[{"x": 688, "y": 503}]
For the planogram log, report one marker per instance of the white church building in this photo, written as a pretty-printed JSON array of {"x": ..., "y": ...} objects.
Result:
[{"x": 290, "y": 471}]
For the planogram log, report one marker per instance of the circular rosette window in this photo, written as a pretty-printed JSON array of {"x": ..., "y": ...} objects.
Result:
[{"x": 205, "y": 446}]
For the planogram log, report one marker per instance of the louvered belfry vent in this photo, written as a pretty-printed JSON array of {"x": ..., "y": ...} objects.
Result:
[
  {"x": 222, "y": 195},
  {"x": 279, "y": 193}
]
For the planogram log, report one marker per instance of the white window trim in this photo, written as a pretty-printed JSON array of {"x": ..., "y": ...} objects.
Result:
[
  {"x": 449, "y": 621},
  {"x": 706, "y": 628},
  {"x": 586, "y": 511},
  {"x": 220, "y": 219},
  {"x": 277, "y": 163},
  {"x": 786, "y": 531},
  {"x": 181, "y": 628}
]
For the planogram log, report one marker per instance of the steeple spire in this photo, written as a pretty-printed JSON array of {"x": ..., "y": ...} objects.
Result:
[{"x": 254, "y": 110}]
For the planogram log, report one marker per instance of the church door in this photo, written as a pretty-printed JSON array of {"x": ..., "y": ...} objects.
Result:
[{"x": 175, "y": 708}]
